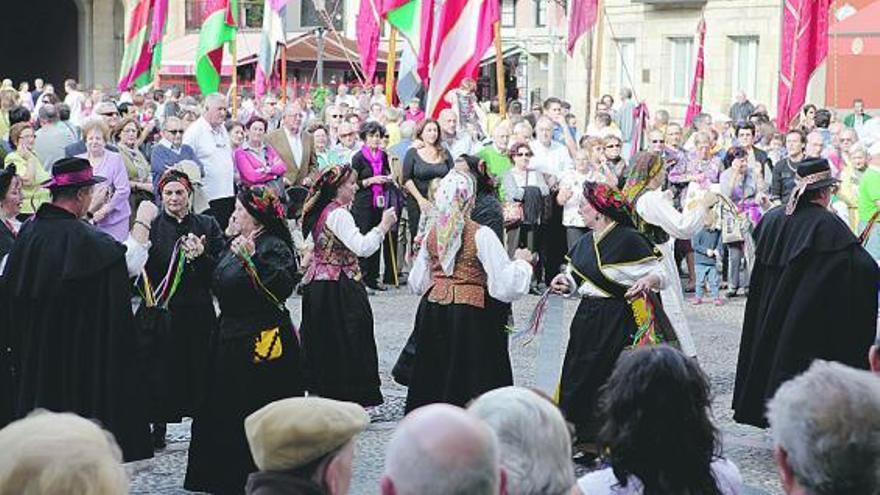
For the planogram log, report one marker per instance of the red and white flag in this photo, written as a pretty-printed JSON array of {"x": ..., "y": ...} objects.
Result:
[
  {"x": 367, "y": 28},
  {"x": 464, "y": 32},
  {"x": 581, "y": 19},
  {"x": 804, "y": 47},
  {"x": 696, "y": 103}
]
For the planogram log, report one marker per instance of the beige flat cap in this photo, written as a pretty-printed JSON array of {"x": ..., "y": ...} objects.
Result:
[{"x": 290, "y": 433}]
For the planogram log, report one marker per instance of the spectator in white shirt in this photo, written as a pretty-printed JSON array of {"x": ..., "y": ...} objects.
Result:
[
  {"x": 551, "y": 157},
  {"x": 208, "y": 137},
  {"x": 456, "y": 143}
]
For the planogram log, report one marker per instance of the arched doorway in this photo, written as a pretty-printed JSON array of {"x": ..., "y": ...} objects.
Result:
[{"x": 42, "y": 40}]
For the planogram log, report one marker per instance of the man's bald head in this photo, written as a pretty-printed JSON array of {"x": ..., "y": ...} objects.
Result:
[{"x": 441, "y": 449}]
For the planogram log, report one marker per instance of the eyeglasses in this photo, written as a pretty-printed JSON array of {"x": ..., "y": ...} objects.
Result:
[
  {"x": 611, "y": 146},
  {"x": 336, "y": 116},
  {"x": 174, "y": 131},
  {"x": 526, "y": 154},
  {"x": 657, "y": 141}
]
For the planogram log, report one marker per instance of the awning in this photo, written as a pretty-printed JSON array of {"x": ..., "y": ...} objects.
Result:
[
  {"x": 513, "y": 49},
  {"x": 178, "y": 56}
]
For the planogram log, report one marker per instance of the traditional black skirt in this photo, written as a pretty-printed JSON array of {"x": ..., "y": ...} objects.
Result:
[
  {"x": 176, "y": 347},
  {"x": 601, "y": 329},
  {"x": 461, "y": 351},
  {"x": 219, "y": 457},
  {"x": 339, "y": 347}
]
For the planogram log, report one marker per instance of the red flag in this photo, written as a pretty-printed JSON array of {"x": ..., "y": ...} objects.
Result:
[
  {"x": 368, "y": 37},
  {"x": 464, "y": 34},
  {"x": 696, "y": 103},
  {"x": 804, "y": 47},
  {"x": 581, "y": 19}
]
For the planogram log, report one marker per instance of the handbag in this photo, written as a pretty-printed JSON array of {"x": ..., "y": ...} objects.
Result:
[
  {"x": 513, "y": 214},
  {"x": 267, "y": 343},
  {"x": 734, "y": 225}
]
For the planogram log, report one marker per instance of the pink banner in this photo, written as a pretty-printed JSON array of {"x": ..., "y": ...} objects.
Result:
[
  {"x": 367, "y": 28},
  {"x": 804, "y": 46},
  {"x": 580, "y": 20},
  {"x": 696, "y": 102}
]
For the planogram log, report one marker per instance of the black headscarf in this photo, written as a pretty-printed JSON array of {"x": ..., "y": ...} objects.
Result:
[
  {"x": 6, "y": 176},
  {"x": 264, "y": 205}
]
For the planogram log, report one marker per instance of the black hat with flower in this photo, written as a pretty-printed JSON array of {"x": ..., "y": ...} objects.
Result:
[{"x": 265, "y": 206}]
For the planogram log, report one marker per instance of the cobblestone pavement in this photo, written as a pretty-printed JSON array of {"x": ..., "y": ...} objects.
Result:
[{"x": 716, "y": 329}]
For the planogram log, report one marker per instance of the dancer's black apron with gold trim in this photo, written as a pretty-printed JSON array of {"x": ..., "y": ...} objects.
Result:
[{"x": 602, "y": 326}]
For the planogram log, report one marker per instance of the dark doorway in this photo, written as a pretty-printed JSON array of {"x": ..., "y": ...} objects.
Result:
[{"x": 40, "y": 39}]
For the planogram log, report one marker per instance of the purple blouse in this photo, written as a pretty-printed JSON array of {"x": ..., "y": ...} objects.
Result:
[{"x": 113, "y": 169}]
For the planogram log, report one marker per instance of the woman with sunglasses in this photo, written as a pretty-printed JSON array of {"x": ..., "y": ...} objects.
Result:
[
  {"x": 614, "y": 160},
  {"x": 170, "y": 150},
  {"x": 531, "y": 189}
]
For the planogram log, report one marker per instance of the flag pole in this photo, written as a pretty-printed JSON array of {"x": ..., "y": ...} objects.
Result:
[
  {"x": 499, "y": 70},
  {"x": 234, "y": 87},
  {"x": 391, "y": 61},
  {"x": 600, "y": 35},
  {"x": 283, "y": 74}
]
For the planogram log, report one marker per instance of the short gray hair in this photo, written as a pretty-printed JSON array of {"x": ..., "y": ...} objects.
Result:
[
  {"x": 827, "y": 421},
  {"x": 215, "y": 99},
  {"x": 533, "y": 437},
  {"x": 407, "y": 129},
  {"x": 49, "y": 113},
  {"x": 49, "y": 452},
  {"x": 417, "y": 467}
]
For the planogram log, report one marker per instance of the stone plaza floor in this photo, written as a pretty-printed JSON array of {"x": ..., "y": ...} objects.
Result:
[{"x": 716, "y": 331}]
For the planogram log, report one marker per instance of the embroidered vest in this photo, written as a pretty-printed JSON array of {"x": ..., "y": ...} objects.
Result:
[
  {"x": 331, "y": 257},
  {"x": 467, "y": 284}
]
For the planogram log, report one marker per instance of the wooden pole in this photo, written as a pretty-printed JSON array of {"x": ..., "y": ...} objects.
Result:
[
  {"x": 234, "y": 88},
  {"x": 599, "y": 39},
  {"x": 284, "y": 74},
  {"x": 499, "y": 71},
  {"x": 391, "y": 61}
]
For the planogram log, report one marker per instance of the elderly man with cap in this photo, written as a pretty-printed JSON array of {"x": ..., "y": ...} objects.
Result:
[
  {"x": 110, "y": 114},
  {"x": 813, "y": 294},
  {"x": 303, "y": 445},
  {"x": 69, "y": 306}
]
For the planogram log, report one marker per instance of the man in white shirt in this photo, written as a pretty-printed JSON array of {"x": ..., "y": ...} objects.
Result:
[
  {"x": 551, "y": 157},
  {"x": 348, "y": 143},
  {"x": 456, "y": 143},
  {"x": 209, "y": 140},
  {"x": 294, "y": 145},
  {"x": 342, "y": 97},
  {"x": 74, "y": 99}
]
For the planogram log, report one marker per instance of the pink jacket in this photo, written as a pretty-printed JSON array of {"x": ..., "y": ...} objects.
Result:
[{"x": 254, "y": 169}]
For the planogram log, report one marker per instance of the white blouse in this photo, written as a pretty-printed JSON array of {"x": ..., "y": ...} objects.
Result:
[
  {"x": 507, "y": 280},
  {"x": 624, "y": 274},
  {"x": 341, "y": 223},
  {"x": 604, "y": 482},
  {"x": 656, "y": 208}
]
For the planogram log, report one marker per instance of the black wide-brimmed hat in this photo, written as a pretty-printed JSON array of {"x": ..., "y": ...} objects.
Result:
[
  {"x": 812, "y": 174},
  {"x": 72, "y": 172}
]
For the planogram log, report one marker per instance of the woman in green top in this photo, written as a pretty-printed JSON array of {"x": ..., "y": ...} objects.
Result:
[
  {"x": 326, "y": 156},
  {"x": 128, "y": 136},
  {"x": 28, "y": 167}
]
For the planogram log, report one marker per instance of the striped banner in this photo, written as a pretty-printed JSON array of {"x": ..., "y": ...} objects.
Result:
[{"x": 274, "y": 34}]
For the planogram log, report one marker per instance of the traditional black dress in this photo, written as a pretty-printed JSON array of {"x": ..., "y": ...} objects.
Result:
[
  {"x": 70, "y": 330},
  {"x": 813, "y": 295},
  {"x": 7, "y": 238},
  {"x": 219, "y": 457},
  {"x": 178, "y": 360},
  {"x": 460, "y": 337},
  {"x": 603, "y": 265},
  {"x": 339, "y": 348}
]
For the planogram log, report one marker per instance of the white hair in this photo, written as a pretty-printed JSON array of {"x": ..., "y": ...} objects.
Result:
[
  {"x": 50, "y": 452},
  {"x": 534, "y": 440},
  {"x": 827, "y": 421},
  {"x": 407, "y": 129},
  {"x": 417, "y": 468},
  {"x": 215, "y": 99}
]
